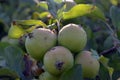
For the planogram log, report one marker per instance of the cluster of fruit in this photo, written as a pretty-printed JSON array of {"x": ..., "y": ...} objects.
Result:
[{"x": 60, "y": 52}]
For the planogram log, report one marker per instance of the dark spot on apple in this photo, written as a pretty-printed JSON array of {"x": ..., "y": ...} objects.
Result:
[
  {"x": 38, "y": 27},
  {"x": 91, "y": 62},
  {"x": 59, "y": 65},
  {"x": 30, "y": 35},
  {"x": 45, "y": 38},
  {"x": 53, "y": 48}
]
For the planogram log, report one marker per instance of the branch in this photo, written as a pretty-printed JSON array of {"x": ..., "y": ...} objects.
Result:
[{"x": 108, "y": 51}]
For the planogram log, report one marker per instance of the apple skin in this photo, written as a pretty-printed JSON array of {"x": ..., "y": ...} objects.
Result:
[
  {"x": 39, "y": 41},
  {"x": 47, "y": 76},
  {"x": 57, "y": 60},
  {"x": 90, "y": 65},
  {"x": 73, "y": 37}
]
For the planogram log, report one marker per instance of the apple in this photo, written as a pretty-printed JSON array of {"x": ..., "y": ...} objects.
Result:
[
  {"x": 90, "y": 65},
  {"x": 73, "y": 37},
  {"x": 57, "y": 60},
  {"x": 47, "y": 76},
  {"x": 39, "y": 41}
]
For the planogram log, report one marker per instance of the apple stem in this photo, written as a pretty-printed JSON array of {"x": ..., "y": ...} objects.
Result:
[{"x": 58, "y": 24}]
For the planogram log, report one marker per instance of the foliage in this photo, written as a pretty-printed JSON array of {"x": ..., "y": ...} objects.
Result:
[{"x": 99, "y": 18}]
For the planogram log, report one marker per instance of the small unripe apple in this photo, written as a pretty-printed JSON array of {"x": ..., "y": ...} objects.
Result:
[
  {"x": 39, "y": 41},
  {"x": 47, "y": 76},
  {"x": 90, "y": 65},
  {"x": 57, "y": 60},
  {"x": 73, "y": 37}
]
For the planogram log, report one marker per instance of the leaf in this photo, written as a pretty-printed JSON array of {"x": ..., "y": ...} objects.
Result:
[
  {"x": 2, "y": 62},
  {"x": 74, "y": 73},
  {"x": 5, "y": 72},
  {"x": 105, "y": 62},
  {"x": 115, "y": 16},
  {"x": 53, "y": 7},
  {"x": 108, "y": 42},
  {"x": 43, "y": 4},
  {"x": 26, "y": 24},
  {"x": 114, "y": 2},
  {"x": 15, "y": 31},
  {"x": 82, "y": 10},
  {"x": 95, "y": 54},
  {"x": 13, "y": 57},
  {"x": 44, "y": 14},
  {"x": 21, "y": 27},
  {"x": 111, "y": 70}
]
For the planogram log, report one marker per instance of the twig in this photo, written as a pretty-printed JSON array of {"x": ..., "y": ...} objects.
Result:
[{"x": 108, "y": 50}]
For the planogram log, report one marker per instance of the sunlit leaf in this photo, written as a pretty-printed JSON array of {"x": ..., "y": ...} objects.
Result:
[
  {"x": 105, "y": 62},
  {"x": 74, "y": 73},
  {"x": 111, "y": 70},
  {"x": 82, "y": 10},
  {"x": 43, "y": 4},
  {"x": 26, "y": 24},
  {"x": 44, "y": 14},
  {"x": 15, "y": 31},
  {"x": 114, "y": 2},
  {"x": 20, "y": 27}
]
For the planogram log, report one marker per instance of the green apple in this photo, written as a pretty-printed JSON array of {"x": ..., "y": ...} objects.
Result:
[
  {"x": 47, "y": 76},
  {"x": 73, "y": 37},
  {"x": 57, "y": 60},
  {"x": 90, "y": 65},
  {"x": 39, "y": 41}
]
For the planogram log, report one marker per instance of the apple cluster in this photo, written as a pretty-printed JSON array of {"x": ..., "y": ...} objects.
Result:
[{"x": 60, "y": 52}]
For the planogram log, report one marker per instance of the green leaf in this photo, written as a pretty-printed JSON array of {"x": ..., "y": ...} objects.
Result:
[
  {"x": 53, "y": 7},
  {"x": 13, "y": 58},
  {"x": 115, "y": 16},
  {"x": 108, "y": 43},
  {"x": 95, "y": 54},
  {"x": 82, "y": 10},
  {"x": 5, "y": 72},
  {"x": 44, "y": 14},
  {"x": 111, "y": 70},
  {"x": 74, "y": 73},
  {"x": 105, "y": 62},
  {"x": 2, "y": 62},
  {"x": 43, "y": 4},
  {"x": 15, "y": 31},
  {"x": 21, "y": 27},
  {"x": 26, "y": 24},
  {"x": 114, "y": 2}
]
